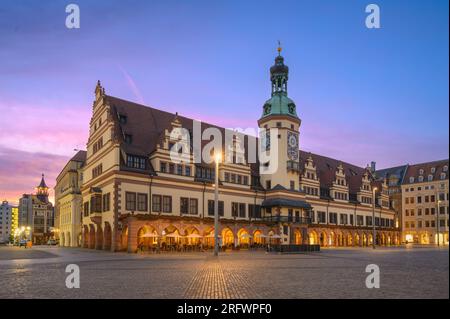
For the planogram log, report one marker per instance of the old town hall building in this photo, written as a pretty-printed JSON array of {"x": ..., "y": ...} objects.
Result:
[{"x": 132, "y": 193}]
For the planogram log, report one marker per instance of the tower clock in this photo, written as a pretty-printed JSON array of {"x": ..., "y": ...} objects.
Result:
[{"x": 292, "y": 147}]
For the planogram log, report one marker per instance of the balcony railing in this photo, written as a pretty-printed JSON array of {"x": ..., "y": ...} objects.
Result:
[
  {"x": 95, "y": 211},
  {"x": 292, "y": 166},
  {"x": 287, "y": 219}
]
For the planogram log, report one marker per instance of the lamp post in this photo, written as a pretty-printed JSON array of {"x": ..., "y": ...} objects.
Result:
[
  {"x": 437, "y": 219},
  {"x": 218, "y": 158},
  {"x": 373, "y": 217}
]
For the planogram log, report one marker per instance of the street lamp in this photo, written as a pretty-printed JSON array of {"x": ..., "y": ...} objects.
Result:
[
  {"x": 218, "y": 159},
  {"x": 437, "y": 220},
  {"x": 373, "y": 217},
  {"x": 28, "y": 235}
]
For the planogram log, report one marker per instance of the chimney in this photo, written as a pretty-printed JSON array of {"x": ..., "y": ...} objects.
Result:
[{"x": 372, "y": 166}]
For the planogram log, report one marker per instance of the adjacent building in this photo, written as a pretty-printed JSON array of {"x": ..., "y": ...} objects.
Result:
[
  {"x": 425, "y": 203},
  {"x": 394, "y": 177},
  {"x": 68, "y": 201},
  {"x": 419, "y": 193},
  {"x": 8, "y": 221},
  {"x": 25, "y": 210},
  {"x": 133, "y": 191},
  {"x": 36, "y": 212}
]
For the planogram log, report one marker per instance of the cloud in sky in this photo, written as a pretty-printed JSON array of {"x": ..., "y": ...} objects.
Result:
[
  {"x": 20, "y": 172},
  {"x": 56, "y": 129}
]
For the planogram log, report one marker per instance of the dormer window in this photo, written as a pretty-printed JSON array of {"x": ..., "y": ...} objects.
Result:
[
  {"x": 122, "y": 119},
  {"x": 135, "y": 162},
  {"x": 421, "y": 178},
  {"x": 421, "y": 171},
  {"x": 430, "y": 178},
  {"x": 411, "y": 179},
  {"x": 442, "y": 175},
  {"x": 433, "y": 170},
  {"x": 445, "y": 168}
]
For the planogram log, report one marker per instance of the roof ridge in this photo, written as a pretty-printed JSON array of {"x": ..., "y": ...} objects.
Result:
[
  {"x": 333, "y": 159},
  {"x": 430, "y": 162}
]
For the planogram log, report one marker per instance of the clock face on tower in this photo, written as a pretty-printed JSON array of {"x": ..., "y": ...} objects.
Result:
[{"x": 292, "y": 146}]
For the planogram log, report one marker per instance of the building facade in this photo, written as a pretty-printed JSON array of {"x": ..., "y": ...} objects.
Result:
[
  {"x": 425, "y": 203},
  {"x": 36, "y": 212},
  {"x": 394, "y": 177},
  {"x": 25, "y": 210},
  {"x": 68, "y": 202},
  {"x": 134, "y": 192},
  {"x": 8, "y": 221}
]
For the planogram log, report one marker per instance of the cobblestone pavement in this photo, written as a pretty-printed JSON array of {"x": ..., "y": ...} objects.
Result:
[
  {"x": 331, "y": 273},
  {"x": 8, "y": 253}
]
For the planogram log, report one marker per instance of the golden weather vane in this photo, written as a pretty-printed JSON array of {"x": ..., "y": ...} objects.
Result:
[{"x": 279, "y": 47}]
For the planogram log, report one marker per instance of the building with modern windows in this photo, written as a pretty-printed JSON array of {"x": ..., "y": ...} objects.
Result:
[
  {"x": 134, "y": 193},
  {"x": 425, "y": 203},
  {"x": 8, "y": 221}
]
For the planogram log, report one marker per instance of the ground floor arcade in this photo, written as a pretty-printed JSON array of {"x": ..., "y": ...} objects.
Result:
[{"x": 134, "y": 233}]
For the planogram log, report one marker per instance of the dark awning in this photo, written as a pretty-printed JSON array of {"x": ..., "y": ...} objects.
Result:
[{"x": 285, "y": 202}]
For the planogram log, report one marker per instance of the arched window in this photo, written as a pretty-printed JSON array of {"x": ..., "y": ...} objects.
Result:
[
  {"x": 442, "y": 175},
  {"x": 411, "y": 179},
  {"x": 445, "y": 168},
  {"x": 421, "y": 178},
  {"x": 430, "y": 178},
  {"x": 421, "y": 171},
  {"x": 433, "y": 170}
]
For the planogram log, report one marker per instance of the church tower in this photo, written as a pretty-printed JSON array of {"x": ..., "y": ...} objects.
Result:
[
  {"x": 279, "y": 112},
  {"x": 42, "y": 191}
]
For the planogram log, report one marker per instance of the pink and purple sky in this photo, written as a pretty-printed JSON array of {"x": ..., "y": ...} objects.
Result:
[{"x": 362, "y": 94}]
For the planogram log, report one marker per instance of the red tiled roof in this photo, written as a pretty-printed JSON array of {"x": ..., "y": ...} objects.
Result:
[
  {"x": 80, "y": 156},
  {"x": 147, "y": 125},
  {"x": 326, "y": 168},
  {"x": 414, "y": 171}
]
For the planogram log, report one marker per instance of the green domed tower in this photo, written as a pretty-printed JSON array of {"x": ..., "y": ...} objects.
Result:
[
  {"x": 280, "y": 116},
  {"x": 279, "y": 103}
]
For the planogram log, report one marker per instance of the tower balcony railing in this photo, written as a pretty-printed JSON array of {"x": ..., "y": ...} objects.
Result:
[
  {"x": 293, "y": 166},
  {"x": 287, "y": 219}
]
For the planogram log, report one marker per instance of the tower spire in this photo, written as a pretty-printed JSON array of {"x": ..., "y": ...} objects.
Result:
[
  {"x": 279, "y": 103},
  {"x": 42, "y": 190},
  {"x": 279, "y": 74},
  {"x": 279, "y": 48}
]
